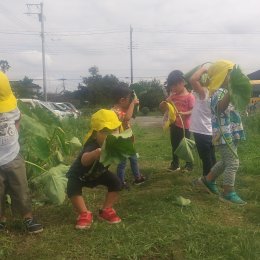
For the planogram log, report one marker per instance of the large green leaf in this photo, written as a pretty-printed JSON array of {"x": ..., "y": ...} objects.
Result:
[
  {"x": 204, "y": 79},
  {"x": 184, "y": 150},
  {"x": 40, "y": 147},
  {"x": 33, "y": 126},
  {"x": 117, "y": 148},
  {"x": 54, "y": 183},
  {"x": 61, "y": 138},
  {"x": 75, "y": 143},
  {"x": 240, "y": 89}
]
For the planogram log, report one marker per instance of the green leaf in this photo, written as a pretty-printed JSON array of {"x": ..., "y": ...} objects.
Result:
[
  {"x": 188, "y": 75},
  {"x": 180, "y": 201},
  {"x": 75, "y": 143},
  {"x": 240, "y": 89},
  {"x": 204, "y": 79},
  {"x": 59, "y": 136},
  {"x": 40, "y": 147},
  {"x": 117, "y": 148},
  {"x": 54, "y": 183},
  {"x": 59, "y": 156},
  {"x": 33, "y": 126},
  {"x": 184, "y": 150}
]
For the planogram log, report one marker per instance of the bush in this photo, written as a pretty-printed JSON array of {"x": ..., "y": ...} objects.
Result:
[{"x": 145, "y": 111}]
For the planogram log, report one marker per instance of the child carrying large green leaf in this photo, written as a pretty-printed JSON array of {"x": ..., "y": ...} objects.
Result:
[
  {"x": 13, "y": 180},
  {"x": 88, "y": 171},
  {"x": 125, "y": 102},
  {"x": 226, "y": 126}
]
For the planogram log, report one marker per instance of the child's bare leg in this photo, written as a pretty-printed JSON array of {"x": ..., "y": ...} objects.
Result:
[
  {"x": 79, "y": 204},
  {"x": 27, "y": 215},
  {"x": 110, "y": 200},
  {"x": 3, "y": 218},
  {"x": 210, "y": 177}
]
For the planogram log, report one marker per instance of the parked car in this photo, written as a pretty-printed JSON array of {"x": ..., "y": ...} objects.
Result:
[
  {"x": 45, "y": 105},
  {"x": 68, "y": 109},
  {"x": 73, "y": 108},
  {"x": 60, "y": 109}
]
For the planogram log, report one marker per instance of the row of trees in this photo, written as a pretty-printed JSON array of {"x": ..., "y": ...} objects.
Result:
[
  {"x": 94, "y": 90},
  {"x": 98, "y": 89}
]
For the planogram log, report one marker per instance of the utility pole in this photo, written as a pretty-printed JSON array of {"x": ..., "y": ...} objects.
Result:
[
  {"x": 41, "y": 20},
  {"x": 131, "y": 53},
  {"x": 63, "y": 85}
]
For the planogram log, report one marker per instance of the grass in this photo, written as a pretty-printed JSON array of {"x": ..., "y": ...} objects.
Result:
[{"x": 153, "y": 227}]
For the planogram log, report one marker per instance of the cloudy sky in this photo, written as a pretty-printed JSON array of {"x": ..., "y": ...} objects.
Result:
[{"x": 167, "y": 35}]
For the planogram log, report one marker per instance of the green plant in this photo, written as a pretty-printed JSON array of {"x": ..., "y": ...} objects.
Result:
[
  {"x": 240, "y": 89},
  {"x": 45, "y": 145}
]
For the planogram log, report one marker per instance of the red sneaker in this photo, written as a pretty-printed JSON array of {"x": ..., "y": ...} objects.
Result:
[
  {"x": 109, "y": 215},
  {"x": 84, "y": 220}
]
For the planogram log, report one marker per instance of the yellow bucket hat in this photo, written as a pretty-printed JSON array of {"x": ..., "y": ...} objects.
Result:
[
  {"x": 103, "y": 118},
  {"x": 217, "y": 73},
  {"x": 169, "y": 115},
  {"x": 7, "y": 99}
]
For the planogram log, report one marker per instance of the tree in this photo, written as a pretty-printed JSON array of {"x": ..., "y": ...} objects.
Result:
[
  {"x": 149, "y": 93},
  {"x": 94, "y": 71},
  {"x": 98, "y": 89},
  {"x": 4, "y": 66},
  {"x": 26, "y": 88}
]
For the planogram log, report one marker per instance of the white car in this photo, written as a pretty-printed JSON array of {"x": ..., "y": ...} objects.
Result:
[
  {"x": 45, "y": 105},
  {"x": 66, "y": 108}
]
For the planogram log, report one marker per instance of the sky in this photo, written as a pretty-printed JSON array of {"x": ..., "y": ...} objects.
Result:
[{"x": 167, "y": 35}]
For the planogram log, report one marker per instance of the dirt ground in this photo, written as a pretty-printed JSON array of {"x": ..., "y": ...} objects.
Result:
[{"x": 147, "y": 121}]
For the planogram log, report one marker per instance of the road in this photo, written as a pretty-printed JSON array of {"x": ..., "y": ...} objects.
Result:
[{"x": 147, "y": 121}]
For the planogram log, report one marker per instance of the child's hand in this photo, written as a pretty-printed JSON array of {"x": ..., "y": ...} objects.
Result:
[
  {"x": 136, "y": 101},
  {"x": 97, "y": 153}
]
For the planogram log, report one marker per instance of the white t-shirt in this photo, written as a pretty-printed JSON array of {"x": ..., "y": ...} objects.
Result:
[
  {"x": 201, "y": 115},
  {"x": 9, "y": 145}
]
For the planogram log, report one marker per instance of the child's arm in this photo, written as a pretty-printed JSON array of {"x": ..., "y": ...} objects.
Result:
[
  {"x": 130, "y": 110},
  {"x": 195, "y": 82},
  {"x": 88, "y": 158},
  {"x": 17, "y": 123}
]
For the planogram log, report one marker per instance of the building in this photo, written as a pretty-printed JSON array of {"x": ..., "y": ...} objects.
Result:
[{"x": 255, "y": 81}]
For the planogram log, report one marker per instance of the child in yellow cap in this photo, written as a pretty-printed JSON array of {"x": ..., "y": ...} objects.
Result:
[
  {"x": 87, "y": 171},
  {"x": 13, "y": 179}
]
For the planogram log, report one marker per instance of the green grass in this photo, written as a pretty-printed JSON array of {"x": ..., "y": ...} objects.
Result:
[{"x": 153, "y": 227}]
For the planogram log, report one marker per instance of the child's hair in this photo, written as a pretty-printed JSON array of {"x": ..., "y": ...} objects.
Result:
[
  {"x": 121, "y": 92},
  {"x": 175, "y": 77}
]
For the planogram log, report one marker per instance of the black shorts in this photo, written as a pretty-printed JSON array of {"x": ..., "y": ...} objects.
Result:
[{"x": 108, "y": 179}]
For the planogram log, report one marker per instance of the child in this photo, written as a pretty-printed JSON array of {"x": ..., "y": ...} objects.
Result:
[
  {"x": 13, "y": 179},
  {"x": 183, "y": 101},
  {"x": 201, "y": 122},
  {"x": 231, "y": 126},
  {"x": 124, "y": 106},
  {"x": 87, "y": 171}
]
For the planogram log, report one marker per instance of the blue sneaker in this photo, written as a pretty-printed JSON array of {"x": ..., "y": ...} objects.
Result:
[
  {"x": 210, "y": 185},
  {"x": 232, "y": 197}
]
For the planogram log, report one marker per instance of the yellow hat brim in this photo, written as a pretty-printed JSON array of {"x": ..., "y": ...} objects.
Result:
[
  {"x": 103, "y": 119},
  {"x": 8, "y": 104}
]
